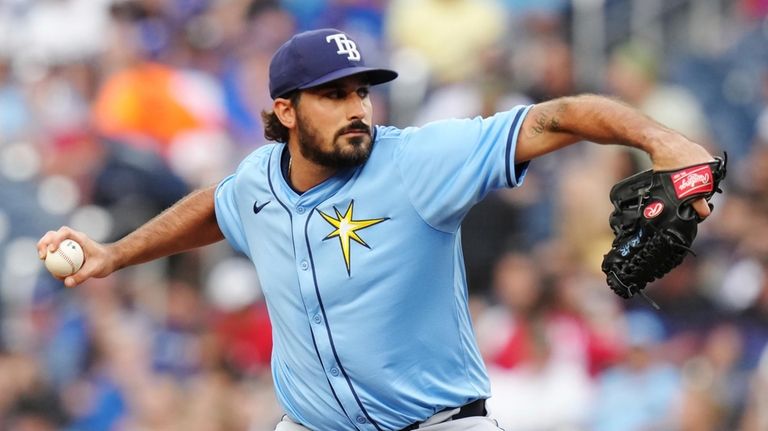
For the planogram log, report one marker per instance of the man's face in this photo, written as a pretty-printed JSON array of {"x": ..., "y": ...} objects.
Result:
[{"x": 333, "y": 122}]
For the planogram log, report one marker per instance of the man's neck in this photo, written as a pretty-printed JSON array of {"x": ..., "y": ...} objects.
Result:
[{"x": 303, "y": 174}]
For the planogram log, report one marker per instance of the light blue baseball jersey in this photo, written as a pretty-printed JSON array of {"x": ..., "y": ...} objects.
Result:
[{"x": 363, "y": 274}]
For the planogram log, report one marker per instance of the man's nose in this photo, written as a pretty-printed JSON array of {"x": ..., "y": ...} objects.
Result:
[{"x": 355, "y": 107}]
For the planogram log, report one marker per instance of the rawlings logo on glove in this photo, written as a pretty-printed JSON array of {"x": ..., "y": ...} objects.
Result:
[
  {"x": 690, "y": 181},
  {"x": 655, "y": 224}
]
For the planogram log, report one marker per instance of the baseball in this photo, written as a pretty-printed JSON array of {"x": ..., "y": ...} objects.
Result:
[{"x": 66, "y": 260}]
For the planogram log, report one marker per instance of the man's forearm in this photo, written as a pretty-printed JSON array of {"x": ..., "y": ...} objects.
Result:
[
  {"x": 188, "y": 224},
  {"x": 604, "y": 120},
  {"x": 560, "y": 122}
]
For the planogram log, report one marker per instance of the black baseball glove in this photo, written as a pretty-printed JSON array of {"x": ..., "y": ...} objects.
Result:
[{"x": 655, "y": 224}]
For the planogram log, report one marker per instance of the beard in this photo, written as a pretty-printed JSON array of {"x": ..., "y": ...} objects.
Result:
[{"x": 354, "y": 152}]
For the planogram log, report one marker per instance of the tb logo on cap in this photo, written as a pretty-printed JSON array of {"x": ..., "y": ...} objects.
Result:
[{"x": 345, "y": 46}]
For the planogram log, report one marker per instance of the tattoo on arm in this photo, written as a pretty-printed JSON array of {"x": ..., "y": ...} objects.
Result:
[
  {"x": 547, "y": 121},
  {"x": 554, "y": 123},
  {"x": 540, "y": 126}
]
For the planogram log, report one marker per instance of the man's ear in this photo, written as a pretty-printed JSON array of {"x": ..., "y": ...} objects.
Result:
[{"x": 285, "y": 112}]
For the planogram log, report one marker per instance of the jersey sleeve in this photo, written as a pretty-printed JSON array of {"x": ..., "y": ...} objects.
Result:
[
  {"x": 228, "y": 213},
  {"x": 448, "y": 166}
]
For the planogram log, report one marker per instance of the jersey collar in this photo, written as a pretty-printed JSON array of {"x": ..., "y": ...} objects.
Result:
[{"x": 311, "y": 197}]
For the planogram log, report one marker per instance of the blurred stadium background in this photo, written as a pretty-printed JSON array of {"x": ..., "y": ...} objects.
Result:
[{"x": 112, "y": 110}]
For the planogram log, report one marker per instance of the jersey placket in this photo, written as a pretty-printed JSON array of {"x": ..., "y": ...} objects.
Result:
[{"x": 303, "y": 210}]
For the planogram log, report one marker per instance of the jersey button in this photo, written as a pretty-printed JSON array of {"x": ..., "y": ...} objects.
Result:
[
  {"x": 361, "y": 420},
  {"x": 317, "y": 319},
  {"x": 304, "y": 265},
  {"x": 300, "y": 210},
  {"x": 335, "y": 372}
]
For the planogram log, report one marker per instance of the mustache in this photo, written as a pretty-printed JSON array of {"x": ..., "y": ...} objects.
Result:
[{"x": 355, "y": 126}]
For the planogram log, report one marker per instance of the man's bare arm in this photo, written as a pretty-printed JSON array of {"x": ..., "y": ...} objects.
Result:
[
  {"x": 558, "y": 123},
  {"x": 188, "y": 224}
]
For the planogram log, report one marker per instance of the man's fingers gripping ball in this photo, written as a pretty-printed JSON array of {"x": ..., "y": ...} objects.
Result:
[
  {"x": 66, "y": 260},
  {"x": 655, "y": 223}
]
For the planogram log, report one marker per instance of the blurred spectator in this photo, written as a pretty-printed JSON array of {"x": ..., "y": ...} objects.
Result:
[
  {"x": 97, "y": 398},
  {"x": 754, "y": 321},
  {"x": 149, "y": 101},
  {"x": 449, "y": 34},
  {"x": 38, "y": 411},
  {"x": 580, "y": 222},
  {"x": 490, "y": 228},
  {"x": 364, "y": 19},
  {"x": 177, "y": 113},
  {"x": 642, "y": 392},
  {"x": 754, "y": 9},
  {"x": 634, "y": 76},
  {"x": 59, "y": 100},
  {"x": 537, "y": 16},
  {"x": 483, "y": 94},
  {"x": 15, "y": 115},
  {"x": 245, "y": 72},
  {"x": 550, "y": 311},
  {"x": 133, "y": 184},
  {"x": 240, "y": 319},
  {"x": 545, "y": 68},
  {"x": 27, "y": 403},
  {"x": 55, "y": 32},
  {"x": 687, "y": 309},
  {"x": 176, "y": 347},
  {"x": 743, "y": 285},
  {"x": 756, "y": 416},
  {"x": 540, "y": 374},
  {"x": 715, "y": 386}
]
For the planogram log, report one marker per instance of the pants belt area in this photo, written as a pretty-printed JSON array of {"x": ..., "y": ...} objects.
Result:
[{"x": 475, "y": 408}]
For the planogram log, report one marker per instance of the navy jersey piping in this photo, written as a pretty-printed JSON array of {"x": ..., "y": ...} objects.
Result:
[
  {"x": 328, "y": 328},
  {"x": 272, "y": 189},
  {"x": 509, "y": 156},
  {"x": 333, "y": 391},
  {"x": 314, "y": 342}
]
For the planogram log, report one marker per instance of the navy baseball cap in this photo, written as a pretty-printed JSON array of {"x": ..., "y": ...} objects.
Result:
[{"x": 316, "y": 57}]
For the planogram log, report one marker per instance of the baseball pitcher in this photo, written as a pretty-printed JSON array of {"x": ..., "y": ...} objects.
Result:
[{"x": 355, "y": 231}]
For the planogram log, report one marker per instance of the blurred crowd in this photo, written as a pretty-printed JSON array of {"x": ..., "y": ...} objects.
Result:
[{"x": 111, "y": 110}]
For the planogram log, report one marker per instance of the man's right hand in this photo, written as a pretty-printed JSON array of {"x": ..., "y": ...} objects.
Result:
[
  {"x": 100, "y": 260},
  {"x": 671, "y": 151}
]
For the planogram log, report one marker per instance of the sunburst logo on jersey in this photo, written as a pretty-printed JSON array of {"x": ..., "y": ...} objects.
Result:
[{"x": 346, "y": 228}]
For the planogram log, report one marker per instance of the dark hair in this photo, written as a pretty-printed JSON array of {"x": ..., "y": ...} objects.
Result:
[{"x": 274, "y": 130}]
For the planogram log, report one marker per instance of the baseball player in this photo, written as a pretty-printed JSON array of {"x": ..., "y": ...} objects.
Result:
[{"x": 355, "y": 232}]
